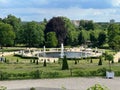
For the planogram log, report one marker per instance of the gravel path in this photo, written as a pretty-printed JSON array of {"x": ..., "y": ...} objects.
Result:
[{"x": 57, "y": 84}]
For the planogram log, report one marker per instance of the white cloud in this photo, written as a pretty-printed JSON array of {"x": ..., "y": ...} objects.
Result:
[
  {"x": 39, "y": 14},
  {"x": 115, "y": 3}
]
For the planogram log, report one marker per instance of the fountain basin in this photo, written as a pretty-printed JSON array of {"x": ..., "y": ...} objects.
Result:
[{"x": 67, "y": 54}]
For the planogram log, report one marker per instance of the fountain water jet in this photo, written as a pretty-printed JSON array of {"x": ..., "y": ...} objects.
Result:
[
  {"x": 62, "y": 50},
  {"x": 44, "y": 54}
]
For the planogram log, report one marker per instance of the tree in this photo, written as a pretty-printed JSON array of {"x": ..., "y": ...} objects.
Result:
[
  {"x": 94, "y": 37},
  {"x": 72, "y": 33},
  {"x": 101, "y": 38},
  {"x": 114, "y": 36},
  {"x": 109, "y": 57},
  {"x": 57, "y": 25},
  {"x": 37, "y": 62},
  {"x": 7, "y": 35},
  {"x": 100, "y": 61},
  {"x": 33, "y": 35},
  {"x": 15, "y": 23},
  {"x": 83, "y": 37},
  {"x": 44, "y": 64},
  {"x": 86, "y": 25},
  {"x": 51, "y": 40},
  {"x": 64, "y": 63}
]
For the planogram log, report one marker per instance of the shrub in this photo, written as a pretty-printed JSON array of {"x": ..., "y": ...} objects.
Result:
[
  {"x": 36, "y": 62},
  {"x": 3, "y": 88},
  {"x": 36, "y": 74},
  {"x": 98, "y": 87},
  {"x": 119, "y": 60},
  {"x": 44, "y": 64},
  {"x": 100, "y": 61},
  {"x": 51, "y": 74},
  {"x": 32, "y": 88},
  {"x": 117, "y": 73},
  {"x": 65, "y": 64},
  {"x": 4, "y": 75},
  {"x": 101, "y": 71}
]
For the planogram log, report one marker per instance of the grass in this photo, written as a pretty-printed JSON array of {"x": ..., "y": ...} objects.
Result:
[
  {"x": 24, "y": 65},
  {"x": 53, "y": 70}
]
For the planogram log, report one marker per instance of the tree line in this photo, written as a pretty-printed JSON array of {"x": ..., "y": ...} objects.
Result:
[{"x": 58, "y": 30}]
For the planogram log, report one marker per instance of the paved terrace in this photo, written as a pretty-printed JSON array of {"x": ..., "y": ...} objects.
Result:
[{"x": 57, "y": 84}]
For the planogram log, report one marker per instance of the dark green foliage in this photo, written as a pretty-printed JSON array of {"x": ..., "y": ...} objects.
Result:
[
  {"x": 100, "y": 61},
  {"x": 91, "y": 61},
  {"x": 4, "y": 75},
  {"x": 119, "y": 60},
  {"x": 64, "y": 63},
  {"x": 86, "y": 25},
  {"x": 34, "y": 61},
  {"x": 5, "y": 60},
  {"x": 44, "y": 63},
  {"x": 112, "y": 61},
  {"x": 37, "y": 62},
  {"x": 17, "y": 61},
  {"x": 101, "y": 38},
  {"x": 75, "y": 61},
  {"x": 30, "y": 60},
  {"x": 36, "y": 74},
  {"x": 57, "y": 25}
]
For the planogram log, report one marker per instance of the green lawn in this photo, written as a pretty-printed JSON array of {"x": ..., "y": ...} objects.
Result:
[{"x": 14, "y": 69}]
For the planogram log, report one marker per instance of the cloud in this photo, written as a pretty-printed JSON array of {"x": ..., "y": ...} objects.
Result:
[
  {"x": 97, "y": 10},
  {"x": 115, "y": 3},
  {"x": 38, "y": 14}
]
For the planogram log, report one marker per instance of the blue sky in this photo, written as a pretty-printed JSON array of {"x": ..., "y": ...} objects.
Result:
[{"x": 37, "y": 10}]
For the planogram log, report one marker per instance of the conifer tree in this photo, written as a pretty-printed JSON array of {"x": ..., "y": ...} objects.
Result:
[{"x": 64, "y": 64}]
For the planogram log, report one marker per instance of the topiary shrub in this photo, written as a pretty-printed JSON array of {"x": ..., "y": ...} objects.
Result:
[
  {"x": 44, "y": 63},
  {"x": 64, "y": 64},
  {"x": 100, "y": 61}
]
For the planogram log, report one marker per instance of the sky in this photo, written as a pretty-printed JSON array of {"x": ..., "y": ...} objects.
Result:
[{"x": 37, "y": 10}]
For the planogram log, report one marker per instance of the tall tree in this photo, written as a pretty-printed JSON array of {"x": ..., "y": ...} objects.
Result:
[
  {"x": 101, "y": 38},
  {"x": 109, "y": 57},
  {"x": 72, "y": 33},
  {"x": 113, "y": 36},
  {"x": 57, "y": 25},
  {"x": 83, "y": 37},
  {"x": 93, "y": 37},
  {"x": 51, "y": 40},
  {"x": 33, "y": 35},
  {"x": 16, "y": 23},
  {"x": 7, "y": 35}
]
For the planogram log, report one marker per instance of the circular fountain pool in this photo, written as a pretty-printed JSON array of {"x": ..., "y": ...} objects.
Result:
[{"x": 67, "y": 54}]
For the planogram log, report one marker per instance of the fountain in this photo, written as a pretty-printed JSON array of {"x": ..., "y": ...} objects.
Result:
[
  {"x": 44, "y": 54},
  {"x": 62, "y": 50}
]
